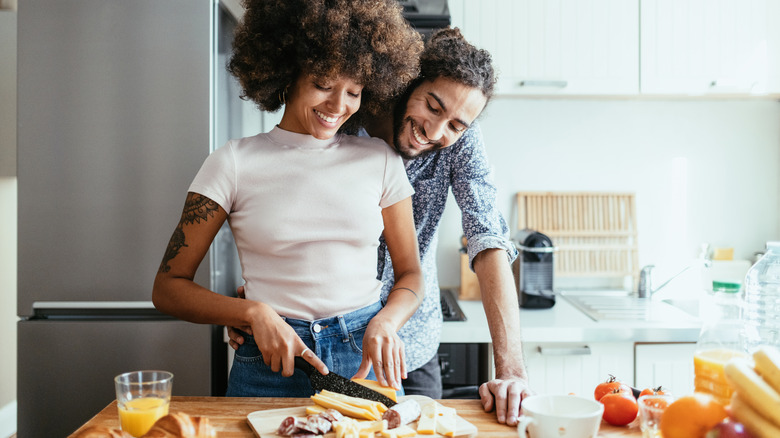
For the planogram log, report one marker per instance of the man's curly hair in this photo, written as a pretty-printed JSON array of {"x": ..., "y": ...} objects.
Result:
[
  {"x": 367, "y": 41},
  {"x": 447, "y": 54}
]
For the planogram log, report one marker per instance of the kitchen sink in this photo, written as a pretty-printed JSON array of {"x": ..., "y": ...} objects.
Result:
[
  {"x": 689, "y": 306},
  {"x": 620, "y": 305}
]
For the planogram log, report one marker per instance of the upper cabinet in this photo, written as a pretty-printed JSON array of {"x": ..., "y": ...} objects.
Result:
[
  {"x": 556, "y": 46},
  {"x": 627, "y": 47},
  {"x": 704, "y": 47}
]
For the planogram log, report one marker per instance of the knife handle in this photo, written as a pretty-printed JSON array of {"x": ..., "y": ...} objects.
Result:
[{"x": 304, "y": 366}]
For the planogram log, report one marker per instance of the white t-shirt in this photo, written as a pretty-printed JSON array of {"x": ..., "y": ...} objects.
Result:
[{"x": 306, "y": 215}]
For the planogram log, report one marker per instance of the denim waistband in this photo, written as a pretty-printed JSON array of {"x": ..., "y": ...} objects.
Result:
[{"x": 340, "y": 325}]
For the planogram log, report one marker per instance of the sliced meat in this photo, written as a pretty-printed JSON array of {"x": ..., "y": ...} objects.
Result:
[
  {"x": 401, "y": 414},
  {"x": 317, "y": 424},
  {"x": 288, "y": 426},
  {"x": 332, "y": 415},
  {"x": 312, "y": 425}
]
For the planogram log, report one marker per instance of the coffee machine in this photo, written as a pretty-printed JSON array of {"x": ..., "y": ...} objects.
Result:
[{"x": 533, "y": 269}]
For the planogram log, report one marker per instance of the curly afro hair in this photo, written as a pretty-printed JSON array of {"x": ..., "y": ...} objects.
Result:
[
  {"x": 448, "y": 54},
  {"x": 365, "y": 40}
]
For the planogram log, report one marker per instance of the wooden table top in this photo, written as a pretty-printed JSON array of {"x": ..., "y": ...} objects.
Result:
[{"x": 228, "y": 415}]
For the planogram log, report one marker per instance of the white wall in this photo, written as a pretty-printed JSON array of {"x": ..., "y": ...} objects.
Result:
[
  {"x": 7, "y": 305},
  {"x": 7, "y": 221},
  {"x": 704, "y": 171}
]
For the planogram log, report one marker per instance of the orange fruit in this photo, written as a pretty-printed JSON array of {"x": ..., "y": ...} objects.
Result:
[{"x": 691, "y": 416}]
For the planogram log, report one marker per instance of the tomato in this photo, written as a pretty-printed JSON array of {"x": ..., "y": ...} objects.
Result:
[
  {"x": 610, "y": 385},
  {"x": 620, "y": 408},
  {"x": 653, "y": 391}
]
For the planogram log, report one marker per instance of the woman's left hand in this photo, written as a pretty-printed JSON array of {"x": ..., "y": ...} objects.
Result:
[{"x": 383, "y": 349}]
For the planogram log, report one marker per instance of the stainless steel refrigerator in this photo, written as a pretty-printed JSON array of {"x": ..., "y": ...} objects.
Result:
[{"x": 119, "y": 103}]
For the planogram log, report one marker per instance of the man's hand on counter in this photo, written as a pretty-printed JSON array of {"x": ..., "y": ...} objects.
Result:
[
  {"x": 505, "y": 396},
  {"x": 502, "y": 310}
]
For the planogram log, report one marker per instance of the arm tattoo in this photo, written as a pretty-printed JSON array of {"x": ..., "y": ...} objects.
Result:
[
  {"x": 174, "y": 245},
  {"x": 197, "y": 208}
]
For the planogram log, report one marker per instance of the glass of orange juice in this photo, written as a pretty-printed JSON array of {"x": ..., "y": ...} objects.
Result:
[
  {"x": 142, "y": 397},
  {"x": 709, "y": 375},
  {"x": 720, "y": 339}
]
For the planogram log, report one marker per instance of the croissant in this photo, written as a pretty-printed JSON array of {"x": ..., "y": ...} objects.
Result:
[
  {"x": 181, "y": 425},
  {"x": 102, "y": 432},
  {"x": 176, "y": 425}
]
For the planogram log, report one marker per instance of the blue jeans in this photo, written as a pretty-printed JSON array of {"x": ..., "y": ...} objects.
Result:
[{"x": 337, "y": 341}]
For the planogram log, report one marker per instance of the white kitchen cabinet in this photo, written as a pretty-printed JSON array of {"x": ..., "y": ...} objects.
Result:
[
  {"x": 665, "y": 364},
  {"x": 563, "y": 368},
  {"x": 702, "y": 47},
  {"x": 550, "y": 47}
]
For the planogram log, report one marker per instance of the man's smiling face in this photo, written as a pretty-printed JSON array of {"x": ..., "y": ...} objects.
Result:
[{"x": 437, "y": 113}]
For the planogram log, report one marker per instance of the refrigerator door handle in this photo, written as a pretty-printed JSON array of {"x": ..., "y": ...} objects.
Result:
[{"x": 97, "y": 310}]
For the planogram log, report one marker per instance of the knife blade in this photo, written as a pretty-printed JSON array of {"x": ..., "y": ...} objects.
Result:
[{"x": 336, "y": 383}]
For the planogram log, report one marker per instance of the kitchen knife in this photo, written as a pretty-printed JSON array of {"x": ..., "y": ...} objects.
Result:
[{"x": 336, "y": 383}]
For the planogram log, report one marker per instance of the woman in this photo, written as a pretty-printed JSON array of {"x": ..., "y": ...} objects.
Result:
[{"x": 307, "y": 204}]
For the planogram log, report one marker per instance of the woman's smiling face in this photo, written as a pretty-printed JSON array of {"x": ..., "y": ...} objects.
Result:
[{"x": 320, "y": 107}]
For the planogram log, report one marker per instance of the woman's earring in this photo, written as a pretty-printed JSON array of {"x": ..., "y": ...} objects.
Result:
[{"x": 283, "y": 96}]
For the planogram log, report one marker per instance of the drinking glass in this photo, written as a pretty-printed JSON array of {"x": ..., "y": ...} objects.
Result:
[
  {"x": 142, "y": 397},
  {"x": 651, "y": 408}
]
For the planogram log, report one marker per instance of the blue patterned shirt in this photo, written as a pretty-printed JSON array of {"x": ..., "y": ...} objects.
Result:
[{"x": 462, "y": 167}]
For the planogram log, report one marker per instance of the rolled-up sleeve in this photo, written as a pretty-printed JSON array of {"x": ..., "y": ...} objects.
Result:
[{"x": 475, "y": 192}]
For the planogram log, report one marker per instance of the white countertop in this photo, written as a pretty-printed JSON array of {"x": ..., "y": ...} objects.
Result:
[{"x": 565, "y": 323}]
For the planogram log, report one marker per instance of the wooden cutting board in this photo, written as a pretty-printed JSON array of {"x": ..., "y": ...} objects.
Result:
[
  {"x": 606, "y": 430},
  {"x": 265, "y": 423}
]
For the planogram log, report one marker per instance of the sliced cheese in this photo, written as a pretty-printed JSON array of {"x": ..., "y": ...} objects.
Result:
[
  {"x": 435, "y": 418},
  {"x": 388, "y": 391},
  {"x": 374, "y": 426},
  {"x": 370, "y": 429},
  {"x": 370, "y": 405},
  {"x": 446, "y": 420},
  {"x": 315, "y": 409},
  {"x": 346, "y": 428},
  {"x": 345, "y": 408},
  {"x": 399, "y": 432},
  {"x": 427, "y": 423}
]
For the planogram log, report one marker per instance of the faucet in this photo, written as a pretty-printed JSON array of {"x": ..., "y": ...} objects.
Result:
[{"x": 645, "y": 288}]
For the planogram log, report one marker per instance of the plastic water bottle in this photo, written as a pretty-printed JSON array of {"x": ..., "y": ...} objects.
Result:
[{"x": 761, "y": 308}]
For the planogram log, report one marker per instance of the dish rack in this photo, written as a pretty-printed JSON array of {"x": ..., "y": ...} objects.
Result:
[{"x": 595, "y": 232}]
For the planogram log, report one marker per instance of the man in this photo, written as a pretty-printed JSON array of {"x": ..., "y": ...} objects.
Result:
[{"x": 434, "y": 130}]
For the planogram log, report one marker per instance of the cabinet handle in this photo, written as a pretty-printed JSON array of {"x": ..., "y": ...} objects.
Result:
[
  {"x": 556, "y": 84},
  {"x": 564, "y": 351},
  {"x": 732, "y": 85}
]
